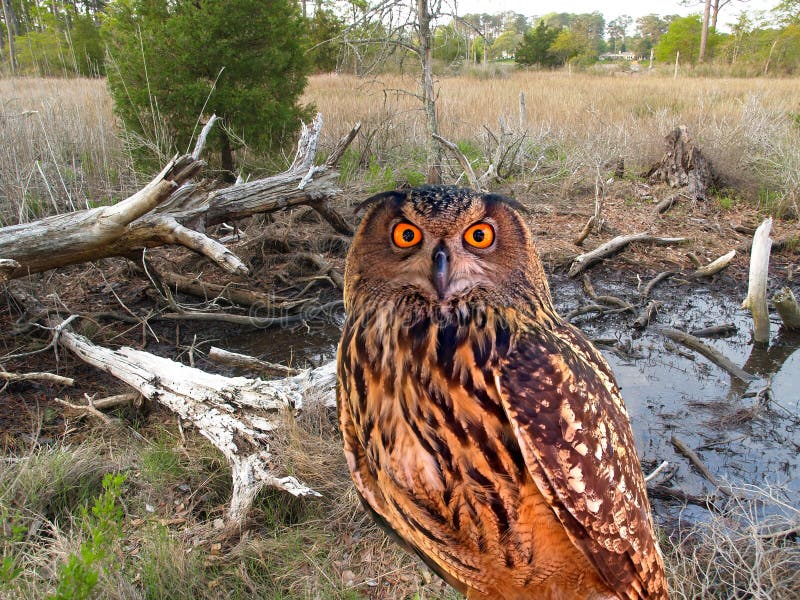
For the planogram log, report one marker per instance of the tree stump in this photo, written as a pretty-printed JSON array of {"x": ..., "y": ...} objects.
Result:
[{"x": 683, "y": 165}]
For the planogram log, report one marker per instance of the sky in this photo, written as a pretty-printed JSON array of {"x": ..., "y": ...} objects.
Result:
[{"x": 612, "y": 8}]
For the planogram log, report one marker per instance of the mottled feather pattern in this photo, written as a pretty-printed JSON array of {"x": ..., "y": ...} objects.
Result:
[{"x": 482, "y": 430}]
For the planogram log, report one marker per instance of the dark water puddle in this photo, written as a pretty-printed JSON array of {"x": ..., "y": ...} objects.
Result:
[
  {"x": 668, "y": 390},
  {"x": 677, "y": 392}
]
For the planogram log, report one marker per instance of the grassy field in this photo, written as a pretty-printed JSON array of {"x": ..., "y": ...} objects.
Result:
[
  {"x": 61, "y": 147},
  {"x": 749, "y": 128}
]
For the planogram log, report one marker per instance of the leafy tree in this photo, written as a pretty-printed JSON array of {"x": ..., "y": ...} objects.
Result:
[
  {"x": 240, "y": 59},
  {"x": 449, "y": 44},
  {"x": 535, "y": 46},
  {"x": 504, "y": 44},
  {"x": 569, "y": 44},
  {"x": 618, "y": 31},
  {"x": 684, "y": 36},
  {"x": 650, "y": 28},
  {"x": 324, "y": 29}
]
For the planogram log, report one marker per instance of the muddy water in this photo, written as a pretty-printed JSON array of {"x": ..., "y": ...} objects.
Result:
[{"x": 668, "y": 390}]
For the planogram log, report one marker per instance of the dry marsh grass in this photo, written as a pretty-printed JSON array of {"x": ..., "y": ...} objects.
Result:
[
  {"x": 60, "y": 148},
  {"x": 748, "y": 127}
]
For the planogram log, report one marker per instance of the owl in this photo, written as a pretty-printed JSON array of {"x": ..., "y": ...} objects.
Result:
[{"x": 481, "y": 430}]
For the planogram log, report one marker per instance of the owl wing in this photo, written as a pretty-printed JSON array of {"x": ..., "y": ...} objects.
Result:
[{"x": 572, "y": 426}]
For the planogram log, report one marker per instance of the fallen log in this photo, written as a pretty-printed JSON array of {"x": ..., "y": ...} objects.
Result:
[
  {"x": 584, "y": 261},
  {"x": 756, "y": 300},
  {"x": 236, "y": 414},
  {"x": 173, "y": 210},
  {"x": 710, "y": 353},
  {"x": 646, "y": 314},
  {"x": 787, "y": 307},
  {"x": 724, "y": 330}
]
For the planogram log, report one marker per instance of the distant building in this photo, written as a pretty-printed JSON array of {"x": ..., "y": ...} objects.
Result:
[{"x": 618, "y": 56}]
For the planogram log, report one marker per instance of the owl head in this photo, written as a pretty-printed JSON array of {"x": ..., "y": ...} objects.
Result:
[{"x": 444, "y": 244}]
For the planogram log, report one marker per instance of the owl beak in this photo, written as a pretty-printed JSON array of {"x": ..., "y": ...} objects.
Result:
[{"x": 441, "y": 270}]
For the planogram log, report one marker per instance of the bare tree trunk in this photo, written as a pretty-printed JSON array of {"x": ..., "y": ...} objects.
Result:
[
  {"x": 715, "y": 15},
  {"x": 8, "y": 15},
  {"x": 704, "y": 32},
  {"x": 432, "y": 147}
]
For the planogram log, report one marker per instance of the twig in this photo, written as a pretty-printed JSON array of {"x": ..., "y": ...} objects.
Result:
[
  {"x": 48, "y": 377},
  {"x": 248, "y": 362},
  {"x": 698, "y": 464},
  {"x": 87, "y": 409},
  {"x": 474, "y": 183},
  {"x": 56, "y": 333},
  {"x": 656, "y": 471},
  {"x": 710, "y": 353}
]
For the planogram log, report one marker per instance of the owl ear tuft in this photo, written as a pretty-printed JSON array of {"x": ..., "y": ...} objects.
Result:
[
  {"x": 393, "y": 196},
  {"x": 491, "y": 199}
]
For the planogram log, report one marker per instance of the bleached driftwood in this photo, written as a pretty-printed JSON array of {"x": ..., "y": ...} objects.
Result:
[
  {"x": 236, "y": 414},
  {"x": 715, "y": 266},
  {"x": 171, "y": 209},
  {"x": 756, "y": 300},
  {"x": 787, "y": 307},
  {"x": 712, "y": 354},
  {"x": 46, "y": 377},
  {"x": 584, "y": 261}
]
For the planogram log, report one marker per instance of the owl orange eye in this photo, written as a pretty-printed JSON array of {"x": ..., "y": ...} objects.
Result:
[
  {"x": 406, "y": 235},
  {"x": 480, "y": 235}
]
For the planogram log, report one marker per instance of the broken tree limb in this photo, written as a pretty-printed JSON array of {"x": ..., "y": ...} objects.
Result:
[
  {"x": 698, "y": 464},
  {"x": 236, "y": 414},
  {"x": 787, "y": 307},
  {"x": 584, "y": 261},
  {"x": 46, "y": 377},
  {"x": 715, "y": 266},
  {"x": 469, "y": 172},
  {"x": 173, "y": 210},
  {"x": 710, "y": 353},
  {"x": 756, "y": 300},
  {"x": 646, "y": 314}
]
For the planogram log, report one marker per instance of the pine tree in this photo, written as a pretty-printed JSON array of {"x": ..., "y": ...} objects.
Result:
[
  {"x": 535, "y": 46},
  {"x": 171, "y": 60}
]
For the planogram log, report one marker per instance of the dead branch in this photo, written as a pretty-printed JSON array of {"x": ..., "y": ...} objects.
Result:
[
  {"x": 325, "y": 268},
  {"x": 756, "y": 300},
  {"x": 667, "y": 493},
  {"x": 87, "y": 409},
  {"x": 655, "y": 281},
  {"x": 723, "y": 330},
  {"x": 46, "y": 377},
  {"x": 787, "y": 307},
  {"x": 469, "y": 172},
  {"x": 584, "y": 261},
  {"x": 656, "y": 471},
  {"x": 715, "y": 266},
  {"x": 710, "y": 353},
  {"x": 646, "y": 314},
  {"x": 236, "y": 414},
  {"x": 698, "y": 464},
  {"x": 604, "y": 299},
  {"x": 243, "y": 361},
  {"x": 595, "y": 222}
]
